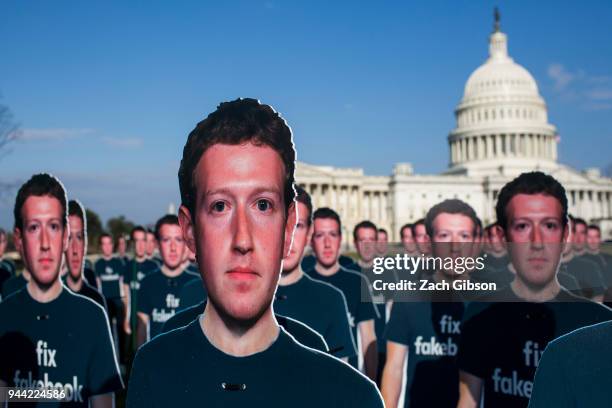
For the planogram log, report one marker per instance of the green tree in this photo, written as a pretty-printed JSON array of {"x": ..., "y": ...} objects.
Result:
[
  {"x": 94, "y": 229},
  {"x": 118, "y": 226},
  {"x": 9, "y": 133}
]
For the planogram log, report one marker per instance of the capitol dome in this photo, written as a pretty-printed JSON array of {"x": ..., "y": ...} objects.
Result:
[{"x": 502, "y": 121}]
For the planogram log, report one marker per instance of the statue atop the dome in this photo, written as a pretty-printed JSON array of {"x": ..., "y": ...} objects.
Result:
[{"x": 496, "y": 16}]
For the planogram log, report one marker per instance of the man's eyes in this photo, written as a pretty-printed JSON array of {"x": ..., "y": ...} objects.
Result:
[
  {"x": 520, "y": 226},
  {"x": 264, "y": 204},
  {"x": 218, "y": 206}
]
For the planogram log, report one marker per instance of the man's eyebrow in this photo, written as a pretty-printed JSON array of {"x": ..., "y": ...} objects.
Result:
[
  {"x": 36, "y": 218},
  {"x": 259, "y": 190}
]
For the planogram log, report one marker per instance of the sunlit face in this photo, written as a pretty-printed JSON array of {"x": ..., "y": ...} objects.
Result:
[
  {"x": 171, "y": 245},
  {"x": 367, "y": 244},
  {"x": 76, "y": 247},
  {"x": 140, "y": 243},
  {"x": 382, "y": 243},
  {"x": 239, "y": 228},
  {"x": 301, "y": 236},
  {"x": 535, "y": 236},
  {"x": 453, "y": 236},
  {"x": 580, "y": 236},
  {"x": 121, "y": 246},
  {"x": 106, "y": 245},
  {"x": 151, "y": 244},
  {"x": 43, "y": 239},
  {"x": 422, "y": 239},
  {"x": 326, "y": 240},
  {"x": 408, "y": 241},
  {"x": 593, "y": 239}
]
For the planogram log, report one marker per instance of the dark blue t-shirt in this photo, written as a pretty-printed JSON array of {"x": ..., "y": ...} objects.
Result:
[
  {"x": 502, "y": 342},
  {"x": 4, "y": 276},
  {"x": 302, "y": 333},
  {"x": 322, "y": 307},
  {"x": 9, "y": 266},
  {"x": 135, "y": 272},
  {"x": 159, "y": 298},
  {"x": 110, "y": 273},
  {"x": 65, "y": 342},
  {"x": 431, "y": 332},
  {"x": 89, "y": 292},
  {"x": 588, "y": 275},
  {"x": 359, "y": 301},
  {"x": 193, "y": 293},
  {"x": 574, "y": 370},
  {"x": 13, "y": 285},
  {"x": 379, "y": 300},
  {"x": 182, "y": 368}
]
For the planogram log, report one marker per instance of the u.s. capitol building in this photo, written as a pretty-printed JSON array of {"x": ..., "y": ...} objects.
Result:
[{"x": 502, "y": 130}]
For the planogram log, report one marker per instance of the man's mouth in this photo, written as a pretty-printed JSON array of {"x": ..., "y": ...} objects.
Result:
[{"x": 242, "y": 273}]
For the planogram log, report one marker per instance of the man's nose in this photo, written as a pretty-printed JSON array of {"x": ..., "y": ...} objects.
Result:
[{"x": 243, "y": 241}]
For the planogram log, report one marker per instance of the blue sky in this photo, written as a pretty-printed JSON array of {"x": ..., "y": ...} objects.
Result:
[{"x": 106, "y": 92}]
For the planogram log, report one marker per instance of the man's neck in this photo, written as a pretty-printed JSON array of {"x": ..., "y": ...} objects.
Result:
[
  {"x": 327, "y": 270},
  {"x": 579, "y": 252},
  {"x": 523, "y": 291},
  {"x": 74, "y": 285},
  {"x": 567, "y": 256},
  {"x": 107, "y": 257},
  {"x": 140, "y": 259},
  {"x": 593, "y": 251},
  {"x": 291, "y": 277},
  {"x": 364, "y": 264},
  {"x": 497, "y": 255},
  {"x": 236, "y": 340},
  {"x": 440, "y": 276},
  {"x": 172, "y": 273},
  {"x": 44, "y": 295}
]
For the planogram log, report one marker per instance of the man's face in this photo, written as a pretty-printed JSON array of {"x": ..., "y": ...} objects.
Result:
[
  {"x": 453, "y": 236},
  {"x": 495, "y": 240},
  {"x": 76, "y": 247},
  {"x": 140, "y": 243},
  {"x": 422, "y": 239},
  {"x": 43, "y": 238},
  {"x": 382, "y": 243},
  {"x": 580, "y": 236},
  {"x": 121, "y": 246},
  {"x": 3, "y": 242},
  {"x": 239, "y": 228},
  {"x": 301, "y": 236},
  {"x": 535, "y": 235},
  {"x": 408, "y": 241},
  {"x": 593, "y": 239},
  {"x": 326, "y": 240},
  {"x": 171, "y": 245},
  {"x": 151, "y": 243},
  {"x": 106, "y": 244},
  {"x": 367, "y": 244}
]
